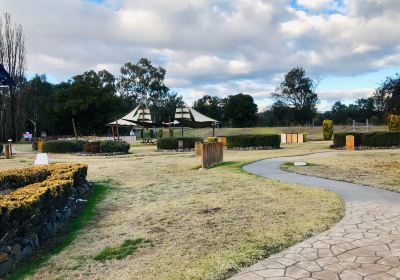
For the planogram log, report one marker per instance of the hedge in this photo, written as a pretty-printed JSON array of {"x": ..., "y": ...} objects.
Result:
[
  {"x": 258, "y": 140},
  {"x": 64, "y": 146},
  {"x": 369, "y": 139},
  {"x": 78, "y": 146},
  {"x": 172, "y": 143},
  {"x": 41, "y": 191},
  {"x": 114, "y": 147}
]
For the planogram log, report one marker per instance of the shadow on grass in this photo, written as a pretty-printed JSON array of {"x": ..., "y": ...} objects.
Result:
[{"x": 71, "y": 229}]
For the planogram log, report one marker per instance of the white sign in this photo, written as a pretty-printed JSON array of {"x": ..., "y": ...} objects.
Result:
[{"x": 42, "y": 159}]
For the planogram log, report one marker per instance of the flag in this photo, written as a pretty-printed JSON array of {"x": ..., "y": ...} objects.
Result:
[{"x": 5, "y": 78}]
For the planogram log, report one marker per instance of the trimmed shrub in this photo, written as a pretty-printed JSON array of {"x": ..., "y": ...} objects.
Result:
[
  {"x": 171, "y": 132},
  {"x": 152, "y": 133},
  {"x": 394, "y": 122},
  {"x": 64, "y": 146},
  {"x": 92, "y": 147},
  {"x": 261, "y": 140},
  {"x": 380, "y": 139},
  {"x": 327, "y": 129},
  {"x": 41, "y": 191},
  {"x": 114, "y": 147},
  {"x": 172, "y": 143},
  {"x": 370, "y": 139},
  {"x": 160, "y": 133},
  {"x": 212, "y": 140},
  {"x": 339, "y": 139}
]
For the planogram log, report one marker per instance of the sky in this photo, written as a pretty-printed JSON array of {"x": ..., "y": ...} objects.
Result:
[{"x": 218, "y": 47}]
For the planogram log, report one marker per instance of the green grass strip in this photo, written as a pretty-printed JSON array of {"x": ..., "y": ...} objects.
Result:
[
  {"x": 127, "y": 248},
  {"x": 98, "y": 193}
]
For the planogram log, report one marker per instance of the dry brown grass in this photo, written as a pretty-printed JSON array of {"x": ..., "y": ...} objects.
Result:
[
  {"x": 203, "y": 224},
  {"x": 377, "y": 168}
]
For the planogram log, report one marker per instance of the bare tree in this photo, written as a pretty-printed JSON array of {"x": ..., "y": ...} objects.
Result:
[{"x": 12, "y": 56}]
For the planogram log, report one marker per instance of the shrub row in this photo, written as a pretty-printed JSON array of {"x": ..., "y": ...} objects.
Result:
[
  {"x": 258, "y": 140},
  {"x": 369, "y": 139},
  {"x": 77, "y": 146},
  {"x": 172, "y": 143},
  {"x": 23, "y": 209},
  {"x": 63, "y": 146}
]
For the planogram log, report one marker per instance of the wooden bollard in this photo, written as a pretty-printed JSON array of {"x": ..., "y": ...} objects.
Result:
[
  {"x": 7, "y": 153},
  {"x": 198, "y": 148},
  {"x": 40, "y": 146},
  {"x": 350, "y": 143}
]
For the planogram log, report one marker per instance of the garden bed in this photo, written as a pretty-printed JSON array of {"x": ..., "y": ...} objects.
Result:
[{"x": 35, "y": 203}]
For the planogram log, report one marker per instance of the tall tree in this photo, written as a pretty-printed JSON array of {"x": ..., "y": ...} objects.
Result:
[
  {"x": 12, "y": 56},
  {"x": 297, "y": 91},
  {"x": 89, "y": 98},
  {"x": 240, "y": 110},
  {"x": 387, "y": 96},
  {"x": 144, "y": 83},
  {"x": 211, "y": 106}
]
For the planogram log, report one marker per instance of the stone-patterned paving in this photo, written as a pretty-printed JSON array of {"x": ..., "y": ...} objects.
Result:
[{"x": 365, "y": 245}]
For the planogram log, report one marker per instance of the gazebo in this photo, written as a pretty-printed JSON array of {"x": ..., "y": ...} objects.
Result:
[{"x": 189, "y": 117}]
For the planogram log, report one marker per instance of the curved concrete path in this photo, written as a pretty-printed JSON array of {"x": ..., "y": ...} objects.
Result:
[{"x": 364, "y": 245}]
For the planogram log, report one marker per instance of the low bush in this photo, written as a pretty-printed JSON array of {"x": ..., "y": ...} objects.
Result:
[
  {"x": 1, "y": 148},
  {"x": 380, "y": 139},
  {"x": 41, "y": 191},
  {"x": 92, "y": 147},
  {"x": 260, "y": 140},
  {"x": 212, "y": 140},
  {"x": 172, "y": 143},
  {"x": 64, "y": 146},
  {"x": 369, "y": 139},
  {"x": 394, "y": 122},
  {"x": 339, "y": 139},
  {"x": 114, "y": 147},
  {"x": 327, "y": 129}
]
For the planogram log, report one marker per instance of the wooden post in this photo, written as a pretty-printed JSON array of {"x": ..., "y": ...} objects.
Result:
[
  {"x": 116, "y": 122},
  {"x": 113, "y": 132},
  {"x": 7, "y": 151},
  {"x": 350, "y": 143},
  {"x": 73, "y": 125}
]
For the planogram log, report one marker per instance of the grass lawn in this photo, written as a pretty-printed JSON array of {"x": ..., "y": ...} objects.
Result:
[
  {"x": 191, "y": 223},
  {"x": 314, "y": 133},
  {"x": 377, "y": 168}
]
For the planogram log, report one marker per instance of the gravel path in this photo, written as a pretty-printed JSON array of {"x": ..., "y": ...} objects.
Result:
[{"x": 364, "y": 245}]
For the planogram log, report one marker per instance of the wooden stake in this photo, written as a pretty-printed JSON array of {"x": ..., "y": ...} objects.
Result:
[{"x": 73, "y": 125}]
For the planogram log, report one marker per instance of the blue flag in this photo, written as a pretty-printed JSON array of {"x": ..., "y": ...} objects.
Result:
[{"x": 5, "y": 78}]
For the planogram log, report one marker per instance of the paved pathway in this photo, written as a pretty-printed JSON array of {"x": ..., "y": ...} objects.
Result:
[{"x": 364, "y": 245}]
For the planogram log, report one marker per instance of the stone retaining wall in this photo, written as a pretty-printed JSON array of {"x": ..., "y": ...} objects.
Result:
[{"x": 21, "y": 248}]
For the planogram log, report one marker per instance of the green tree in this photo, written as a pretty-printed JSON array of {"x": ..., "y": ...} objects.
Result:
[
  {"x": 144, "y": 83},
  {"x": 211, "y": 106},
  {"x": 387, "y": 96},
  {"x": 240, "y": 110},
  {"x": 297, "y": 91},
  {"x": 89, "y": 98}
]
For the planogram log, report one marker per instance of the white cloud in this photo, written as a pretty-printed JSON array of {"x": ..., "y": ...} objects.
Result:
[{"x": 212, "y": 45}]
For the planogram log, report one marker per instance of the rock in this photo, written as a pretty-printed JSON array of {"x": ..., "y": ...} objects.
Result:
[
  {"x": 16, "y": 252},
  {"x": 26, "y": 252},
  {"x": 6, "y": 267},
  {"x": 67, "y": 213},
  {"x": 3, "y": 257}
]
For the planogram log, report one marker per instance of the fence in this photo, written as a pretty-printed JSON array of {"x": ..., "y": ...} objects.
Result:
[{"x": 211, "y": 153}]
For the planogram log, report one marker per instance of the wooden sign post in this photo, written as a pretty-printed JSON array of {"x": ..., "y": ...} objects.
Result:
[{"x": 350, "y": 143}]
